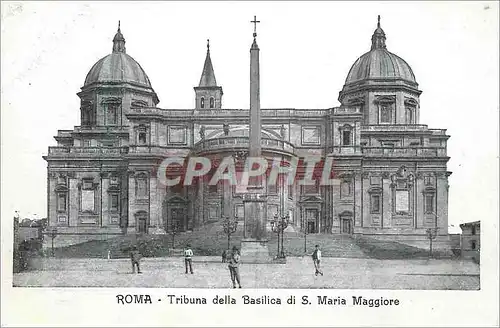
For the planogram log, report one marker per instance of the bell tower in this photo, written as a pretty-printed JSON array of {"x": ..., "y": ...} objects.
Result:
[{"x": 208, "y": 94}]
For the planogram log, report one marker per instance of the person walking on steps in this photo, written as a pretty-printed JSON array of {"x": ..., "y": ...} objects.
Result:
[
  {"x": 188, "y": 254},
  {"x": 316, "y": 256},
  {"x": 234, "y": 263}
]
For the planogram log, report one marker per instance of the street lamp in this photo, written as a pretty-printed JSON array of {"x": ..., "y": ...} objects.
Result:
[
  {"x": 431, "y": 235},
  {"x": 53, "y": 234},
  {"x": 305, "y": 235},
  {"x": 173, "y": 231},
  {"x": 278, "y": 226},
  {"x": 229, "y": 226}
]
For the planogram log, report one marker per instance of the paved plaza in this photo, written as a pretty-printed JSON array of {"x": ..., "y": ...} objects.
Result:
[{"x": 298, "y": 272}]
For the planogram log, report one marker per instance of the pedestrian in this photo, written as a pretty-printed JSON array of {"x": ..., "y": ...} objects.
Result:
[
  {"x": 234, "y": 263},
  {"x": 188, "y": 254},
  {"x": 224, "y": 256},
  {"x": 316, "y": 256},
  {"x": 135, "y": 257}
]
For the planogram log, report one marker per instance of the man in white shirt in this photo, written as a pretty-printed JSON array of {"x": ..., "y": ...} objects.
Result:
[
  {"x": 188, "y": 253},
  {"x": 316, "y": 256}
]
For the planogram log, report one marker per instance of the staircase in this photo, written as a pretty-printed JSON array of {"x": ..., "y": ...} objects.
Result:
[
  {"x": 254, "y": 252},
  {"x": 331, "y": 245}
]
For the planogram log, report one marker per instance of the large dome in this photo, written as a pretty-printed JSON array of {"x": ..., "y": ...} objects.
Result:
[
  {"x": 380, "y": 64},
  {"x": 117, "y": 67}
]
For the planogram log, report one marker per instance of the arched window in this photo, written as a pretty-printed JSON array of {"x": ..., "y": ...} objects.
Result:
[
  {"x": 202, "y": 102},
  {"x": 411, "y": 110},
  {"x": 212, "y": 102}
]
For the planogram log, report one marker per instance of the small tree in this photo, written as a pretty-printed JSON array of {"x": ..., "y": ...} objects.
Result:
[
  {"x": 229, "y": 226},
  {"x": 431, "y": 235}
]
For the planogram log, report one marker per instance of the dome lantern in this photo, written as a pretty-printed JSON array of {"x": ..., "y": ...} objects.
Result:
[
  {"x": 378, "y": 37},
  {"x": 119, "y": 41}
]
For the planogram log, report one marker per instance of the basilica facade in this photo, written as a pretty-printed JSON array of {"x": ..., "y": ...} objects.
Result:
[{"x": 390, "y": 177}]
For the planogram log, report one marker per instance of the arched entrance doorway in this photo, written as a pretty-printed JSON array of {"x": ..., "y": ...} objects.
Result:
[{"x": 175, "y": 214}]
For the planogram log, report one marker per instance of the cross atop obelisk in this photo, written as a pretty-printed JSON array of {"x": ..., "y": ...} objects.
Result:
[{"x": 255, "y": 21}]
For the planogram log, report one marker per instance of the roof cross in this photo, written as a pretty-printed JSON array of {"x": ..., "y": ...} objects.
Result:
[{"x": 255, "y": 21}]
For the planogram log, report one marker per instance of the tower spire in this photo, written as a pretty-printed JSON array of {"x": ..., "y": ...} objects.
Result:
[
  {"x": 378, "y": 37},
  {"x": 208, "y": 75},
  {"x": 119, "y": 41}
]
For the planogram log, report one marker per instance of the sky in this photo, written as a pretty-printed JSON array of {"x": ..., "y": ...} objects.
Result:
[{"x": 306, "y": 51}]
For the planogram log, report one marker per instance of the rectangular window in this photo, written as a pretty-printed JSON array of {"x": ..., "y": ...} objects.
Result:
[
  {"x": 114, "y": 202},
  {"x": 86, "y": 143},
  {"x": 142, "y": 188},
  {"x": 61, "y": 202},
  {"x": 386, "y": 113},
  {"x": 346, "y": 138},
  {"x": 345, "y": 189},
  {"x": 402, "y": 201},
  {"x": 142, "y": 138},
  {"x": 88, "y": 200},
  {"x": 112, "y": 114},
  {"x": 429, "y": 203},
  {"x": 473, "y": 230},
  {"x": 375, "y": 204}
]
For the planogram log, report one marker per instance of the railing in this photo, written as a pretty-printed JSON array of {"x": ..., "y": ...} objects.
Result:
[
  {"x": 100, "y": 128},
  {"x": 345, "y": 150},
  {"x": 397, "y": 127},
  {"x": 347, "y": 110},
  {"x": 404, "y": 151},
  {"x": 241, "y": 142},
  {"x": 200, "y": 113},
  {"x": 85, "y": 151}
]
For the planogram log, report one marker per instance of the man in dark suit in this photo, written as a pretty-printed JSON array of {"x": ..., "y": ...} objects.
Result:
[{"x": 135, "y": 257}]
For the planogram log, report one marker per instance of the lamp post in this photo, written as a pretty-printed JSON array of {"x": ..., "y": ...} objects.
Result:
[
  {"x": 305, "y": 236},
  {"x": 431, "y": 235},
  {"x": 173, "y": 231},
  {"x": 53, "y": 235},
  {"x": 229, "y": 226},
  {"x": 275, "y": 228},
  {"x": 278, "y": 225}
]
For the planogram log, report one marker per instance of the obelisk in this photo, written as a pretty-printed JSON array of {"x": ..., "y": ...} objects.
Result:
[{"x": 255, "y": 200}]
